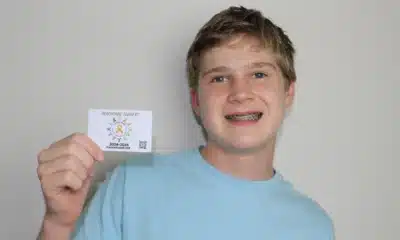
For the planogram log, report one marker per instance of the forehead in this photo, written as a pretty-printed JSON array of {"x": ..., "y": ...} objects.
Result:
[{"x": 238, "y": 52}]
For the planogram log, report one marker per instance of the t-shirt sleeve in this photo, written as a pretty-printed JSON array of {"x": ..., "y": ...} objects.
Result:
[
  {"x": 323, "y": 230},
  {"x": 102, "y": 217}
]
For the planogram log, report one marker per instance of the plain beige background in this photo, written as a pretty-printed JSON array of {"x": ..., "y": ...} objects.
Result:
[{"x": 60, "y": 58}]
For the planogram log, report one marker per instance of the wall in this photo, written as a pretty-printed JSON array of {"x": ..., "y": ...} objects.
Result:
[{"x": 60, "y": 58}]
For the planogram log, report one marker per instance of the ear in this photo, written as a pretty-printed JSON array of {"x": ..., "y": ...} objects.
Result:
[
  {"x": 194, "y": 99},
  {"x": 290, "y": 92}
]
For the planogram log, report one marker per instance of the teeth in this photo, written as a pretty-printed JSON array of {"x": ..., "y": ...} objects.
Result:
[{"x": 244, "y": 117}]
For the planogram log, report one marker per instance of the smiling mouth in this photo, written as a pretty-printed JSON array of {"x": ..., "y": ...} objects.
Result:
[{"x": 253, "y": 116}]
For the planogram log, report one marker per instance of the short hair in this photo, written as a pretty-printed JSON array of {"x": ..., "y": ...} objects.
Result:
[{"x": 231, "y": 22}]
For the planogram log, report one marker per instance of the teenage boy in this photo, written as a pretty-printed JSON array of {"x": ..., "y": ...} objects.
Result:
[{"x": 241, "y": 75}]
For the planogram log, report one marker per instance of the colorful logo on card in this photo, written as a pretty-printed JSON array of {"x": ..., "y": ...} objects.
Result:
[{"x": 119, "y": 129}]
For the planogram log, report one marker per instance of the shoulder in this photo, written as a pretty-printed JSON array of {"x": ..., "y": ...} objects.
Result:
[{"x": 306, "y": 213}]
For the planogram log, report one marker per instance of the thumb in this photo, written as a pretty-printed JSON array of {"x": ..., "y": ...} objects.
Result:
[{"x": 88, "y": 181}]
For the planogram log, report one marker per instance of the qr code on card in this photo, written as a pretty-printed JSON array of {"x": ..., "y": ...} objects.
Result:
[{"x": 142, "y": 144}]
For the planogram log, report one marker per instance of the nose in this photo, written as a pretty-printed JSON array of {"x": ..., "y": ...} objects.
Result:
[{"x": 240, "y": 91}]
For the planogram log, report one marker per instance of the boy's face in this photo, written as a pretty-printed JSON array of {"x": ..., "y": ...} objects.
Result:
[{"x": 241, "y": 96}]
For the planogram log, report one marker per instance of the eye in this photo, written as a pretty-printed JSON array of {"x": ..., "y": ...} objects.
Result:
[
  {"x": 260, "y": 75},
  {"x": 218, "y": 79}
]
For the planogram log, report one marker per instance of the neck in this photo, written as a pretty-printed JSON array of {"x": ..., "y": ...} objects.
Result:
[{"x": 251, "y": 165}]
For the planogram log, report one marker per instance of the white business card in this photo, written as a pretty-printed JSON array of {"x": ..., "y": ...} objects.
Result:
[{"x": 121, "y": 130}]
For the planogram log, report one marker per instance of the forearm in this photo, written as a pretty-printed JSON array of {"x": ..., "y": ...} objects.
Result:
[{"x": 52, "y": 231}]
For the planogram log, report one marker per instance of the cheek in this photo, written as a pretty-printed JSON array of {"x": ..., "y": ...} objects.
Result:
[
  {"x": 268, "y": 84},
  {"x": 273, "y": 98},
  {"x": 210, "y": 104},
  {"x": 209, "y": 96}
]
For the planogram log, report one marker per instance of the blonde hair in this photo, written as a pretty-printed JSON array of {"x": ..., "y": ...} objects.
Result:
[{"x": 240, "y": 20}]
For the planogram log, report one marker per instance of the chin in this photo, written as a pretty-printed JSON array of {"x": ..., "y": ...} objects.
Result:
[{"x": 246, "y": 144}]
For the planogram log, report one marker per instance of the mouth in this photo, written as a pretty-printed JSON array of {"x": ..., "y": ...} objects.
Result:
[{"x": 244, "y": 117}]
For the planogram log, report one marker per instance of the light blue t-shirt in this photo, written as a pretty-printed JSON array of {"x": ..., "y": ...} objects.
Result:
[{"x": 180, "y": 196}]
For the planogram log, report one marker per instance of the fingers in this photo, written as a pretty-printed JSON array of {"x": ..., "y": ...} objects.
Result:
[
  {"x": 68, "y": 163},
  {"x": 91, "y": 147},
  {"x": 73, "y": 149},
  {"x": 61, "y": 180},
  {"x": 83, "y": 141}
]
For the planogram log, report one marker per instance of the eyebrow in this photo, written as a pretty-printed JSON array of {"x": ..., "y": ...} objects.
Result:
[
  {"x": 252, "y": 65},
  {"x": 262, "y": 64}
]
